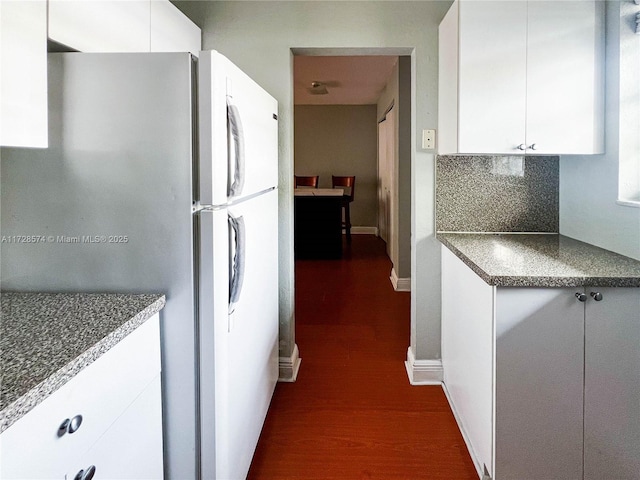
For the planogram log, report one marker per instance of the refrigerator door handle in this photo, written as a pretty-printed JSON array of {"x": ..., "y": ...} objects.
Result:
[
  {"x": 236, "y": 134},
  {"x": 237, "y": 263}
]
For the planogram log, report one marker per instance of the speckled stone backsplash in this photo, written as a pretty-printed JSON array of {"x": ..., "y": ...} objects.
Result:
[{"x": 497, "y": 194}]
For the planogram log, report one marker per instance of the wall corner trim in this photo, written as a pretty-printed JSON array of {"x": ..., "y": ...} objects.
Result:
[
  {"x": 400, "y": 284},
  {"x": 288, "y": 366},
  {"x": 423, "y": 372}
]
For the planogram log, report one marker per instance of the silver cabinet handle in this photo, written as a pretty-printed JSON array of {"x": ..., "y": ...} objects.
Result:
[
  {"x": 86, "y": 474},
  {"x": 597, "y": 296},
  {"x": 522, "y": 146},
  {"x": 581, "y": 297},
  {"x": 75, "y": 423},
  {"x": 532, "y": 146}
]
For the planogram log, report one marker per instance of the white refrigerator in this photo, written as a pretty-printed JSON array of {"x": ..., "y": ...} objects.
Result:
[
  {"x": 176, "y": 160},
  {"x": 238, "y": 216}
]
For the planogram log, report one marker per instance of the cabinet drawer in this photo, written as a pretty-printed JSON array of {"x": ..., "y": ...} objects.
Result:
[
  {"x": 131, "y": 449},
  {"x": 31, "y": 448}
]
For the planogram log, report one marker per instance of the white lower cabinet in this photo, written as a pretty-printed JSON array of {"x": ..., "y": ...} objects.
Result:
[
  {"x": 123, "y": 383},
  {"x": 543, "y": 384},
  {"x": 131, "y": 449},
  {"x": 539, "y": 362},
  {"x": 612, "y": 385}
]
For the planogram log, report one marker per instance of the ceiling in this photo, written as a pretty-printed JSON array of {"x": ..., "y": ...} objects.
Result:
[{"x": 349, "y": 80}]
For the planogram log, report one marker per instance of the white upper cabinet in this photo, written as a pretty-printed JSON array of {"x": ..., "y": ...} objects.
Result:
[
  {"x": 122, "y": 26},
  {"x": 172, "y": 31},
  {"x": 522, "y": 77},
  {"x": 23, "y": 73},
  {"x": 101, "y": 25}
]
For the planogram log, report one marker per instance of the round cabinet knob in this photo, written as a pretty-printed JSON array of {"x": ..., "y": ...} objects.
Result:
[
  {"x": 522, "y": 146},
  {"x": 62, "y": 429},
  {"x": 532, "y": 146},
  {"x": 581, "y": 296},
  {"x": 85, "y": 474},
  {"x": 75, "y": 423},
  {"x": 597, "y": 296}
]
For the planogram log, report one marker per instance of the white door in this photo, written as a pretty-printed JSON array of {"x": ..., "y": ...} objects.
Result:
[
  {"x": 392, "y": 183},
  {"x": 238, "y": 132},
  {"x": 239, "y": 335},
  {"x": 492, "y": 76},
  {"x": 612, "y": 384},
  {"x": 539, "y": 358},
  {"x": 383, "y": 187},
  {"x": 563, "y": 77}
]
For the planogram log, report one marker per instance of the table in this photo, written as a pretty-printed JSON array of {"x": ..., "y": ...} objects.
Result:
[{"x": 318, "y": 223}]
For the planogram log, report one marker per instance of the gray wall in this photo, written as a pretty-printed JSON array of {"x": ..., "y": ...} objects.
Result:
[
  {"x": 398, "y": 93},
  {"x": 589, "y": 184},
  {"x": 340, "y": 140},
  {"x": 259, "y": 37}
]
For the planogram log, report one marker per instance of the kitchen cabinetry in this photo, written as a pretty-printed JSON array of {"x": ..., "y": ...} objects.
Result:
[
  {"x": 612, "y": 385},
  {"x": 122, "y": 26},
  {"x": 533, "y": 374},
  {"x": 115, "y": 456},
  {"x": 23, "y": 74},
  {"x": 118, "y": 399},
  {"x": 83, "y": 25},
  {"x": 522, "y": 77},
  {"x": 100, "y": 25},
  {"x": 539, "y": 362},
  {"x": 172, "y": 31}
]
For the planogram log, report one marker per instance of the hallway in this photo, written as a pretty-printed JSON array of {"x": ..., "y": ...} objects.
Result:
[{"x": 352, "y": 413}]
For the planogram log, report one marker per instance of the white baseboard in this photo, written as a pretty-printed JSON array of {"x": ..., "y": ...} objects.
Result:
[
  {"x": 476, "y": 462},
  {"x": 364, "y": 230},
  {"x": 400, "y": 284},
  {"x": 288, "y": 366},
  {"x": 423, "y": 372}
]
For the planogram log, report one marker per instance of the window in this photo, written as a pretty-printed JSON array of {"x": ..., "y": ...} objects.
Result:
[{"x": 629, "y": 113}]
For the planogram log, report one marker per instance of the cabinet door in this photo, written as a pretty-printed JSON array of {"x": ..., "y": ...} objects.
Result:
[
  {"x": 101, "y": 25},
  {"x": 539, "y": 384},
  {"x": 492, "y": 76},
  {"x": 132, "y": 448},
  {"x": 172, "y": 31},
  {"x": 565, "y": 82},
  {"x": 23, "y": 73},
  {"x": 612, "y": 385}
]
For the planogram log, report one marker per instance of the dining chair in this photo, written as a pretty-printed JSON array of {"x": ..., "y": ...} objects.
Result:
[
  {"x": 306, "y": 181},
  {"x": 349, "y": 184}
]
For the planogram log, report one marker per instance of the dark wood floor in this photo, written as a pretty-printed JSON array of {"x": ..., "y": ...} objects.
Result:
[{"x": 352, "y": 413}]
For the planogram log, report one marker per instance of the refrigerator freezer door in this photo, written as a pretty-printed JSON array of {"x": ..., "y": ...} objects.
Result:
[
  {"x": 239, "y": 350},
  {"x": 238, "y": 133},
  {"x": 111, "y": 199}
]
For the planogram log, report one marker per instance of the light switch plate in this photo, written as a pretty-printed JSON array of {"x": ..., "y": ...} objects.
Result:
[{"x": 428, "y": 139}]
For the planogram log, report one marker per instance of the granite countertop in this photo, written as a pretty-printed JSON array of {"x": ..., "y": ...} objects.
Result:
[
  {"x": 47, "y": 338},
  {"x": 541, "y": 260}
]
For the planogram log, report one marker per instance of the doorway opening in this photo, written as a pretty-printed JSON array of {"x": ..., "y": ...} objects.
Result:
[{"x": 352, "y": 116}]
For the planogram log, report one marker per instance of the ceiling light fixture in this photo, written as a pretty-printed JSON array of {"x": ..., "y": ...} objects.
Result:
[{"x": 318, "y": 88}]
